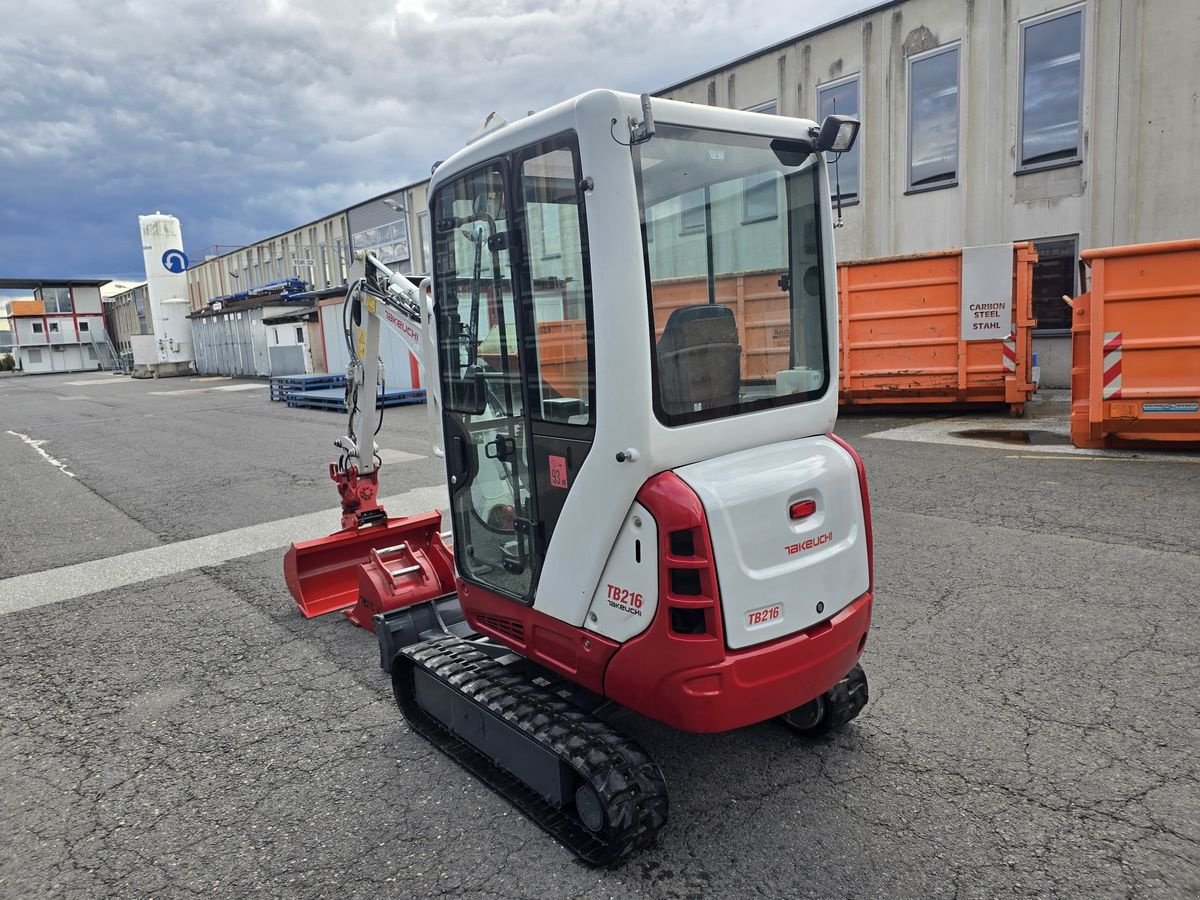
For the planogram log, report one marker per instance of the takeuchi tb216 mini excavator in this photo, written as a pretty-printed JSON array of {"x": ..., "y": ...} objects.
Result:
[{"x": 630, "y": 339}]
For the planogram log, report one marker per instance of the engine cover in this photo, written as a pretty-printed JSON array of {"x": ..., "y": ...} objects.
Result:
[{"x": 780, "y": 574}]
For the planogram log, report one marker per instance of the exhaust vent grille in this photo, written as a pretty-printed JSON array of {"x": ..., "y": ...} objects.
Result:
[{"x": 513, "y": 628}]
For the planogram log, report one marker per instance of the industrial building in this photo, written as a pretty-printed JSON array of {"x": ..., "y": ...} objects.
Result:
[
  {"x": 319, "y": 252},
  {"x": 251, "y": 312},
  {"x": 1071, "y": 124},
  {"x": 61, "y": 328},
  {"x": 126, "y": 314}
]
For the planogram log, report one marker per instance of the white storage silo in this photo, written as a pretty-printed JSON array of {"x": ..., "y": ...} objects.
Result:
[{"x": 166, "y": 284}]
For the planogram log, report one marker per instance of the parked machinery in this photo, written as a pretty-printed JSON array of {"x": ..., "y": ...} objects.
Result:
[{"x": 640, "y": 515}]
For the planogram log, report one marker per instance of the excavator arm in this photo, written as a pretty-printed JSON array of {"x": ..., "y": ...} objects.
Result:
[
  {"x": 408, "y": 554},
  {"x": 376, "y": 297}
]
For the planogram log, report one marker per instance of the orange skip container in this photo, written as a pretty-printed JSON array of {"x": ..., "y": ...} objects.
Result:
[
  {"x": 1135, "y": 347},
  {"x": 900, "y": 320}
]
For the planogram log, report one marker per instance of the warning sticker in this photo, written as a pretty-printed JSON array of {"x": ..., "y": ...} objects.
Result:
[{"x": 558, "y": 472}]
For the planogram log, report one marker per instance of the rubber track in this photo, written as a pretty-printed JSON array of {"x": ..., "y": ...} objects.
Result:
[{"x": 627, "y": 780}]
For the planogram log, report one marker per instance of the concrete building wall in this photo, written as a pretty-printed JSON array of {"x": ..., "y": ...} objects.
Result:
[{"x": 1140, "y": 122}]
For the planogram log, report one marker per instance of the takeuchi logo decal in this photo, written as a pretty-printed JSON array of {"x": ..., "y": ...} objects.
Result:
[{"x": 810, "y": 544}]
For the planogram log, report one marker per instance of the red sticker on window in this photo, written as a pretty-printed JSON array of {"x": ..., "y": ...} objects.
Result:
[{"x": 558, "y": 472}]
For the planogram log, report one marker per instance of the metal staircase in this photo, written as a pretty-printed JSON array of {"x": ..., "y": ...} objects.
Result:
[{"x": 110, "y": 360}]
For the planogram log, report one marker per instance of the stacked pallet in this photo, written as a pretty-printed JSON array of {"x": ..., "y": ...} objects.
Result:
[{"x": 282, "y": 385}]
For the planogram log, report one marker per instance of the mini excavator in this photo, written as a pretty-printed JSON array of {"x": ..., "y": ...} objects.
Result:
[{"x": 630, "y": 340}]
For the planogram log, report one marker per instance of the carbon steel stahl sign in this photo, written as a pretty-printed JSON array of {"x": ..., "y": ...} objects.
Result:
[{"x": 987, "y": 274}]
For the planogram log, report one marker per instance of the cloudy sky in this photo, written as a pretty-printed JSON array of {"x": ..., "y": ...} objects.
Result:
[{"x": 246, "y": 117}]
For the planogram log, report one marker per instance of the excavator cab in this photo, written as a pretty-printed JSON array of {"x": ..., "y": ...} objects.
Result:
[{"x": 630, "y": 337}]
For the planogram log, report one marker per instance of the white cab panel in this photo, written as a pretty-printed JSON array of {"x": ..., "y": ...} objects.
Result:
[
  {"x": 778, "y": 576},
  {"x": 627, "y": 596}
]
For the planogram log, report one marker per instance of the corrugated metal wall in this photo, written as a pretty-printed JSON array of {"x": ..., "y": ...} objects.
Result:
[{"x": 231, "y": 343}]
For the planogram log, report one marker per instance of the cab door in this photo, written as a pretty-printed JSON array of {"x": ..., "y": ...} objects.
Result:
[
  {"x": 493, "y": 506},
  {"x": 557, "y": 314}
]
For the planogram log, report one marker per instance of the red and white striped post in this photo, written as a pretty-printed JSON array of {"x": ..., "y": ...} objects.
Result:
[
  {"x": 1009, "y": 354},
  {"x": 1112, "y": 366}
]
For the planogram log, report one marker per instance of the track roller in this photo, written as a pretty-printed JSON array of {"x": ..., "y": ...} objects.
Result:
[
  {"x": 833, "y": 709},
  {"x": 589, "y": 786}
]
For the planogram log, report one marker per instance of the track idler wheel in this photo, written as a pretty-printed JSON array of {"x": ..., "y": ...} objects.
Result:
[{"x": 833, "y": 709}]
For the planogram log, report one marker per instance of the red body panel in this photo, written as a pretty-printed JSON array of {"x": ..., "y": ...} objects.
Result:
[
  {"x": 676, "y": 684},
  {"x": 573, "y": 652},
  {"x": 678, "y": 671},
  {"x": 693, "y": 681}
]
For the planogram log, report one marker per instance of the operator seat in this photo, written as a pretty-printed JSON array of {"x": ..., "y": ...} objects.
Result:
[{"x": 699, "y": 359}]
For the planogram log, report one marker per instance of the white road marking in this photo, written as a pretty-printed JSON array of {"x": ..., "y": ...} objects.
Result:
[
  {"x": 37, "y": 445},
  {"x": 397, "y": 456},
  {"x": 79, "y": 580},
  {"x": 1172, "y": 458},
  {"x": 941, "y": 431},
  {"x": 111, "y": 379},
  {"x": 209, "y": 390}
]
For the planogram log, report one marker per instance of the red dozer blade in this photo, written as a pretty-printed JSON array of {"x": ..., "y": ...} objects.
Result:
[{"x": 323, "y": 574}]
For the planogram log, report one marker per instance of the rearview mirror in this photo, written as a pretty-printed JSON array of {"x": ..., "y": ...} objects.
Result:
[{"x": 836, "y": 134}]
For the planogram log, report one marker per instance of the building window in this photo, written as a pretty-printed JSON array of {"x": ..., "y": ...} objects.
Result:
[
  {"x": 1054, "y": 277},
  {"x": 1051, "y": 89},
  {"x": 691, "y": 212},
  {"x": 426, "y": 242},
  {"x": 933, "y": 119},
  {"x": 841, "y": 98},
  {"x": 54, "y": 328},
  {"x": 35, "y": 355},
  {"x": 56, "y": 299},
  {"x": 37, "y": 327},
  {"x": 299, "y": 334},
  {"x": 769, "y": 108},
  {"x": 84, "y": 325},
  {"x": 760, "y": 197}
]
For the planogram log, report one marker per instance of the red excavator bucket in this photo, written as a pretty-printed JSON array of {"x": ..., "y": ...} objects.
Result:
[{"x": 323, "y": 574}]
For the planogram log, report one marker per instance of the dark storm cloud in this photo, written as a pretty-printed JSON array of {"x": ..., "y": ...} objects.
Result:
[{"x": 246, "y": 118}]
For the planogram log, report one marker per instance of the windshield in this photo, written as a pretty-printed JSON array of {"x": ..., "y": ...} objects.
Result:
[{"x": 733, "y": 260}]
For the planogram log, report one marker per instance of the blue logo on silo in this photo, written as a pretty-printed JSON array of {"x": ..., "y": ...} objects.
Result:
[{"x": 174, "y": 261}]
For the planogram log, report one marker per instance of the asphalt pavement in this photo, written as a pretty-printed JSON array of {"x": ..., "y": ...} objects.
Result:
[{"x": 1033, "y": 664}]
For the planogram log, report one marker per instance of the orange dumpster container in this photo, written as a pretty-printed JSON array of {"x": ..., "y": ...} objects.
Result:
[
  {"x": 1135, "y": 347},
  {"x": 563, "y": 356},
  {"x": 760, "y": 307},
  {"x": 900, "y": 322}
]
